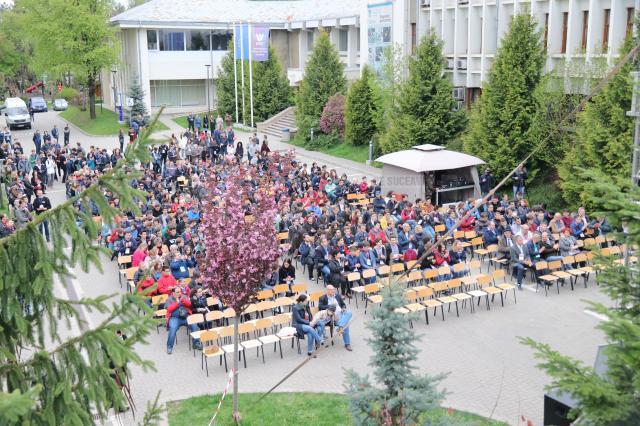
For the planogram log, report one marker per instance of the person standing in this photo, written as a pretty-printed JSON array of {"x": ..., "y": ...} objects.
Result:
[
  {"x": 37, "y": 141},
  {"x": 55, "y": 133},
  {"x": 120, "y": 139},
  {"x": 32, "y": 114},
  {"x": 191, "y": 122},
  {"x": 67, "y": 134},
  {"x": 42, "y": 204}
]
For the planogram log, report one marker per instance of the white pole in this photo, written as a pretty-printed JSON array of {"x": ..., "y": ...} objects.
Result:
[
  {"x": 250, "y": 34},
  {"x": 235, "y": 70},
  {"x": 242, "y": 69}
]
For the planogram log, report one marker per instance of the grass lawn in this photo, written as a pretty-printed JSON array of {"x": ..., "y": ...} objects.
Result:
[
  {"x": 283, "y": 409},
  {"x": 357, "y": 153},
  {"x": 105, "y": 124},
  {"x": 181, "y": 121}
]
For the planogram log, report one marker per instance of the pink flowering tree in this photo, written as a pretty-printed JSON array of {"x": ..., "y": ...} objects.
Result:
[
  {"x": 241, "y": 246},
  {"x": 332, "y": 119}
]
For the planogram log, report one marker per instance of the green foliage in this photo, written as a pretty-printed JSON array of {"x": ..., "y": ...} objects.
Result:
[
  {"x": 323, "y": 77},
  {"x": 545, "y": 191},
  {"x": 51, "y": 374},
  {"x": 614, "y": 399},
  {"x": 604, "y": 138},
  {"x": 399, "y": 396},
  {"x": 323, "y": 141},
  {"x": 136, "y": 93},
  {"x": 70, "y": 36},
  {"x": 500, "y": 124},
  {"x": 390, "y": 82},
  {"x": 69, "y": 94},
  {"x": 426, "y": 105},
  {"x": 12, "y": 56},
  {"x": 362, "y": 111},
  {"x": 271, "y": 90}
]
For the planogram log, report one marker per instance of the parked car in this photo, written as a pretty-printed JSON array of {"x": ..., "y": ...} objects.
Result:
[
  {"x": 16, "y": 113},
  {"x": 38, "y": 104},
  {"x": 60, "y": 105}
]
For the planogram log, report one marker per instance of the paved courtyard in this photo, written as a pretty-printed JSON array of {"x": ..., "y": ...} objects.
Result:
[{"x": 490, "y": 372}]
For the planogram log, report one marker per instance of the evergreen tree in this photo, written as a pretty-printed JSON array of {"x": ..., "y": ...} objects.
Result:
[
  {"x": 362, "y": 110},
  {"x": 136, "y": 93},
  {"x": 225, "y": 91},
  {"x": 271, "y": 90},
  {"x": 401, "y": 395},
  {"x": 323, "y": 77},
  {"x": 615, "y": 398},
  {"x": 50, "y": 374},
  {"x": 426, "y": 113},
  {"x": 604, "y": 136},
  {"x": 500, "y": 123}
]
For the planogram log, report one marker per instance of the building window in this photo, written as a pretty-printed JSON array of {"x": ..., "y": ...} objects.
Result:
[
  {"x": 631, "y": 15},
  {"x": 220, "y": 40},
  {"x": 605, "y": 31},
  {"x": 414, "y": 38},
  {"x": 343, "y": 43},
  {"x": 177, "y": 92},
  {"x": 197, "y": 40},
  {"x": 565, "y": 22},
  {"x": 546, "y": 30},
  {"x": 171, "y": 41},
  {"x": 152, "y": 39},
  {"x": 310, "y": 40},
  {"x": 585, "y": 29}
]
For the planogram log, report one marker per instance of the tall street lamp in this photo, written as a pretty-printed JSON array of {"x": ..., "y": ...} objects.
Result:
[{"x": 207, "y": 87}]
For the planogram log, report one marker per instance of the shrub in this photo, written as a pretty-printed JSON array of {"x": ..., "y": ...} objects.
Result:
[
  {"x": 322, "y": 141},
  {"x": 69, "y": 94},
  {"x": 332, "y": 119}
]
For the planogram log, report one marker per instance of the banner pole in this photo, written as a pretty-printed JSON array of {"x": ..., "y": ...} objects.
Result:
[
  {"x": 235, "y": 70},
  {"x": 242, "y": 27},
  {"x": 250, "y": 33}
]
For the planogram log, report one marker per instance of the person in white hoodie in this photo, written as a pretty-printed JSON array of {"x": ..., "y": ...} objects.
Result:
[{"x": 51, "y": 167}]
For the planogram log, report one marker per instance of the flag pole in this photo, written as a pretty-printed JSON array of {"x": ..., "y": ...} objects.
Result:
[
  {"x": 242, "y": 27},
  {"x": 235, "y": 70},
  {"x": 250, "y": 34}
]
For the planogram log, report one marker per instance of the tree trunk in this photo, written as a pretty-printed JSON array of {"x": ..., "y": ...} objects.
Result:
[
  {"x": 236, "y": 344},
  {"x": 91, "y": 87}
]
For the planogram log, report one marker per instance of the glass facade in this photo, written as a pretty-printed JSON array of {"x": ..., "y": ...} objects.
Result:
[
  {"x": 190, "y": 40},
  {"x": 177, "y": 93}
]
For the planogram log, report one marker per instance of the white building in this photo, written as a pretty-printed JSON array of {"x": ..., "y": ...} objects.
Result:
[
  {"x": 169, "y": 44},
  {"x": 583, "y": 33}
]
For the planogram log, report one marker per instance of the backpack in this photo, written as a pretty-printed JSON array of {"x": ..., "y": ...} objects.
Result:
[{"x": 410, "y": 254}]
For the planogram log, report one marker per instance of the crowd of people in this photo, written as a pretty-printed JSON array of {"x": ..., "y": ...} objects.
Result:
[{"x": 328, "y": 234}]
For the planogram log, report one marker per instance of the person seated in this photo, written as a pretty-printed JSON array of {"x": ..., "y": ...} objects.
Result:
[
  {"x": 352, "y": 260},
  {"x": 549, "y": 248},
  {"x": 342, "y": 315},
  {"x": 166, "y": 282},
  {"x": 600, "y": 226},
  {"x": 394, "y": 253},
  {"x": 286, "y": 273},
  {"x": 199, "y": 301},
  {"x": 568, "y": 243},
  {"x": 505, "y": 243},
  {"x": 139, "y": 255},
  {"x": 322, "y": 258},
  {"x": 407, "y": 238},
  {"x": 579, "y": 227},
  {"x": 380, "y": 251},
  {"x": 301, "y": 321},
  {"x": 178, "y": 309},
  {"x": 490, "y": 235},
  {"x": 336, "y": 272},
  {"x": 458, "y": 255},
  {"x": 307, "y": 254},
  {"x": 368, "y": 261},
  {"x": 442, "y": 258},
  {"x": 520, "y": 259},
  {"x": 180, "y": 267}
]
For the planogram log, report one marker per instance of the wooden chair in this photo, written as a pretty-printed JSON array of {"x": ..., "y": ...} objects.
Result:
[
  {"x": 414, "y": 279},
  {"x": 371, "y": 296},
  {"x": 265, "y": 294},
  {"x": 500, "y": 274},
  {"x": 439, "y": 288},
  {"x": 430, "y": 275},
  {"x": 397, "y": 268},
  {"x": 212, "y": 301},
  {"x": 264, "y": 336},
  {"x": 444, "y": 271},
  {"x": 245, "y": 330},
  {"x": 491, "y": 250},
  {"x": 550, "y": 278},
  {"x": 284, "y": 301},
  {"x": 210, "y": 349},
  {"x": 279, "y": 322},
  {"x": 194, "y": 319},
  {"x": 123, "y": 263},
  {"x": 299, "y": 288},
  {"x": 584, "y": 271},
  {"x": 383, "y": 270},
  {"x": 440, "y": 229},
  {"x": 485, "y": 284},
  {"x": 455, "y": 287}
]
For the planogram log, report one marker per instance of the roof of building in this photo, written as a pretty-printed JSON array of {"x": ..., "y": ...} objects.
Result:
[
  {"x": 203, "y": 12},
  {"x": 427, "y": 158}
]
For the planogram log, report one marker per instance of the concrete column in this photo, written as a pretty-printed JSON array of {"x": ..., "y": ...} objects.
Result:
[
  {"x": 352, "y": 48},
  {"x": 143, "y": 66},
  {"x": 302, "y": 48}
]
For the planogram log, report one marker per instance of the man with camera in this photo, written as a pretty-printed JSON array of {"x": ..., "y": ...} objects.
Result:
[{"x": 178, "y": 309}]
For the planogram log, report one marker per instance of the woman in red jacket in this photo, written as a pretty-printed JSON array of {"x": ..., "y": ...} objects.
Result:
[{"x": 178, "y": 309}]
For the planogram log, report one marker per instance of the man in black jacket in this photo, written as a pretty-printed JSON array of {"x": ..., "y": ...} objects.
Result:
[
  {"x": 40, "y": 205},
  {"x": 342, "y": 315}
]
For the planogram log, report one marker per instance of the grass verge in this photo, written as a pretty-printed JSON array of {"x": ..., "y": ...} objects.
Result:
[
  {"x": 284, "y": 409},
  {"x": 357, "y": 153},
  {"x": 105, "y": 124}
]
